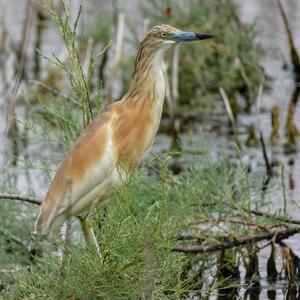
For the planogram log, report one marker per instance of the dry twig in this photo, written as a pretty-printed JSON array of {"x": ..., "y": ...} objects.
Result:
[
  {"x": 293, "y": 52},
  {"x": 230, "y": 115},
  {"x": 261, "y": 137},
  {"x": 263, "y": 214},
  {"x": 277, "y": 235},
  {"x": 54, "y": 91},
  {"x": 21, "y": 198}
]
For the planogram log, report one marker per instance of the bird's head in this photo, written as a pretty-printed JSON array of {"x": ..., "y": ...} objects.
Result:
[{"x": 163, "y": 36}]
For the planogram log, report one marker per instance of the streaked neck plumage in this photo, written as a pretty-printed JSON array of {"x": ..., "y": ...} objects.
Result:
[{"x": 148, "y": 83}]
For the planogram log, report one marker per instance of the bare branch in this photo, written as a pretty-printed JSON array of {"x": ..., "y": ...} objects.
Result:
[
  {"x": 118, "y": 55},
  {"x": 12, "y": 238},
  {"x": 261, "y": 137},
  {"x": 54, "y": 91},
  {"x": 21, "y": 198},
  {"x": 230, "y": 115},
  {"x": 293, "y": 50},
  {"x": 277, "y": 236},
  {"x": 273, "y": 216}
]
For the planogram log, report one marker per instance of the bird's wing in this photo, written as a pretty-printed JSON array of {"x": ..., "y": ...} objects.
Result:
[{"x": 86, "y": 166}]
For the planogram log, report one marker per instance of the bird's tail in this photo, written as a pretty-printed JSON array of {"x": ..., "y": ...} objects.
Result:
[
  {"x": 44, "y": 220},
  {"x": 46, "y": 223},
  {"x": 53, "y": 209}
]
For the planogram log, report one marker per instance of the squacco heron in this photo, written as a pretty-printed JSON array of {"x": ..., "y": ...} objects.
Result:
[{"x": 93, "y": 170}]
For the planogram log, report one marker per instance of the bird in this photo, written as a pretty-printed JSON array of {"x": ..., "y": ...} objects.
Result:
[{"x": 117, "y": 139}]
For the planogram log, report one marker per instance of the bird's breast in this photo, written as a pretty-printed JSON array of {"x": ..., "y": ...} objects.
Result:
[
  {"x": 137, "y": 119},
  {"x": 135, "y": 131}
]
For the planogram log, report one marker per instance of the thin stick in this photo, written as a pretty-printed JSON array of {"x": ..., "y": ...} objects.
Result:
[
  {"x": 263, "y": 214},
  {"x": 293, "y": 52},
  {"x": 175, "y": 93},
  {"x": 261, "y": 137},
  {"x": 118, "y": 55},
  {"x": 54, "y": 91},
  {"x": 40, "y": 26},
  {"x": 230, "y": 115},
  {"x": 150, "y": 266},
  {"x": 277, "y": 235},
  {"x": 88, "y": 56},
  {"x": 283, "y": 190},
  {"x": 168, "y": 89},
  {"x": 11, "y": 124},
  {"x": 103, "y": 65},
  {"x": 28, "y": 199},
  {"x": 13, "y": 238},
  {"x": 230, "y": 221}
]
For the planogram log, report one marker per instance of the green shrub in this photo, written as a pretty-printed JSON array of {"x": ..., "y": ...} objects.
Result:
[{"x": 137, "y": 235}]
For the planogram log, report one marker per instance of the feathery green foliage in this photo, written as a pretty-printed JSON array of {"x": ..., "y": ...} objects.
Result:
[
  {"x": 57, "y": 123},
  {"x": 79, "y": 80},
  {"x": 137, "y": 236}
]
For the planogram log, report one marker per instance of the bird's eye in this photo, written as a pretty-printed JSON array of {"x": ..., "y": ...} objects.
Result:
[{"x": 163, "y": 35}]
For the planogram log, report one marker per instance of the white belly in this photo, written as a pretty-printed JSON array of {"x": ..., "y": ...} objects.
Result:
[{"x": 99, "y": 195}]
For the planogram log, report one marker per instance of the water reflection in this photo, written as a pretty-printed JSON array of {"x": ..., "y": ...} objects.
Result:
[
  {"x": 271, "y": 294},
  {"x": 253, "y": 292}
]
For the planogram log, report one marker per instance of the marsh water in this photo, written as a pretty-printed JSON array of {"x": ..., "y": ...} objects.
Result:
[{"x": 215, "y": 129}]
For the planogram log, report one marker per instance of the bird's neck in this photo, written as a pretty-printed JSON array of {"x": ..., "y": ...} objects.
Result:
[{"x": 148, "y": 83}]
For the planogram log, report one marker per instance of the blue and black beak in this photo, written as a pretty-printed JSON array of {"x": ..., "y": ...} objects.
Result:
[{"x": 185, "y": 36}]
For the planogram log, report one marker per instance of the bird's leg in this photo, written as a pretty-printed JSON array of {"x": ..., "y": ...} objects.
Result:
[
  {"x": 89, "y": 235},
  {"x": 33, "y": 235},
  {"x": 65, "y": 236}
]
